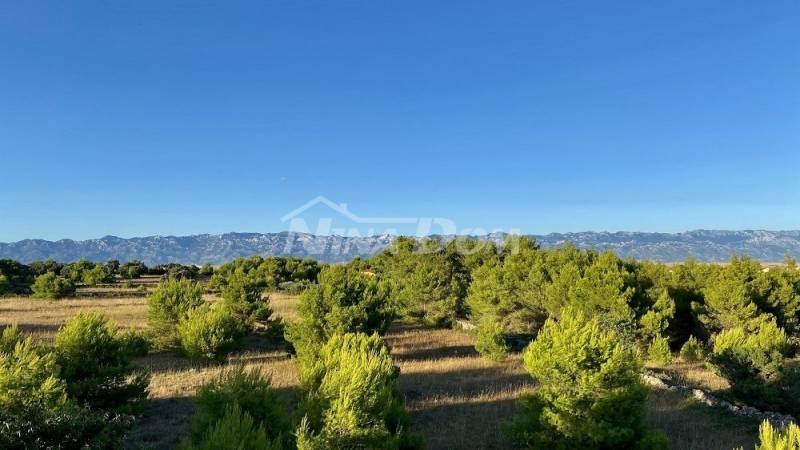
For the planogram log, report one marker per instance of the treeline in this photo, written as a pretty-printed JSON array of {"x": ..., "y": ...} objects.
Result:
[
  {"x": 51, "y": 279},
  {"x": 277, "y": 272}
]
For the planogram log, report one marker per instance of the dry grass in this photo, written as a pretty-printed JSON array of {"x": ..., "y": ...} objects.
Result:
[
  {"x": 42, "y": 318},
  {"x": 692, "y": 426},
  {"x": 695, "y": 375},
  {"x": 457, "y": 400}
]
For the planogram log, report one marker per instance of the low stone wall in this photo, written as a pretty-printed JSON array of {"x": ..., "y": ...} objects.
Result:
[{"x": 707, "y": 399}]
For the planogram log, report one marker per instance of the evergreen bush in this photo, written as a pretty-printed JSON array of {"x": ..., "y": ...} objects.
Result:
[
  {"x": 208, "y": 332},
  {"x": 169, "y": 303},
  {"x": 590, "y": 394}
]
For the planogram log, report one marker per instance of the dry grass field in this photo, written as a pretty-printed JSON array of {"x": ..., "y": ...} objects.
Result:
[{"x": 457, "y": 400}]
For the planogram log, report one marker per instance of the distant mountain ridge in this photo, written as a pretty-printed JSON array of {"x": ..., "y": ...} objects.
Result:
[{"x": 703, "y": 245}]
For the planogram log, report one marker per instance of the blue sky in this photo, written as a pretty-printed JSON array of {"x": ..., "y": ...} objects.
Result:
[{"x": 141, "y": 118}]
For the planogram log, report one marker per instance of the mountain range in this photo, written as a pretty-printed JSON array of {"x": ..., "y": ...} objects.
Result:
[{"x": 702, "y": 245}]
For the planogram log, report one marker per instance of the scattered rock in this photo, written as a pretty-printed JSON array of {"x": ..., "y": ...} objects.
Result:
[{"x": 711, "y": 401}]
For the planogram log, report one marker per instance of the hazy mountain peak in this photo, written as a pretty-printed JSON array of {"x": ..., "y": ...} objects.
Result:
[{"x": 703, "y": 245}]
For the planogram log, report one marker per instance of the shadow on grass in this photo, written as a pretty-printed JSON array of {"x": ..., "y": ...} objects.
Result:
[
  {"x": 39, "y": 329},
  {"x": 462, "y": 383},
  {"x": 456, "y": 351},
  {"x": 465, "y": 425},
  {"x": 255, "y": 349},
  {"x": 165, "y": 421}
]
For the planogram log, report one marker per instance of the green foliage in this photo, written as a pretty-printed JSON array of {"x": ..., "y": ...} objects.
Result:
[
  {"x": 10, "y": 337},
  {"x": 783, "y": 297},
  {"x": 752, "y": 361},
  {"x": 732, "y": 297},
  {"x": 252, "y": 393},
  {"x": 692, "y": 351},
  {"x": 51, "y": 286},
  {"x": 169, "y": 303},
  {"x": 28, "y": 380},
  {"x": 527, "y": 285},
  {"x": 247, "y": 304},
  {"x": 35, "y": 411},
  {"x": 353, "y": 397},
  {"x": 490, "y": 341},
  {"x": 344, "y": 301},
  {"x": 5, "y": 285},
  {"x": 236, "y": 430},
  {"x": 112, "y": 266},
  {"x": 18, "y": 277},
  {"x": 95, "y": 363},
  {"x": 658, "y": 351},
  {"x": 208, "y": 332},
  {"x": 505, "y": 292},
  {"x": 48, "y": 265},
  {"x": 207, "y": 270},
  {"x": 266, "y": 273},
  {"x": 590, "y": 394},
  {"x": 430, "y": 281},
  {"x": 135, "y": 343},
  {"x": 656, "y": 320},
  {"x": 132, "y": 269},
  {"x": 76, "y": 270},
  {"x": 175, "y": 271},
  {"x": 772, "y": 439},
  {"x": 97, "y": 275}
]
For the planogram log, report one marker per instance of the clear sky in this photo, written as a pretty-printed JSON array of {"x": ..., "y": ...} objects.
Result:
[{"x": 135, "y": 118}]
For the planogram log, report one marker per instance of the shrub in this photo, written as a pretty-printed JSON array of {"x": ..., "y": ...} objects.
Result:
[
  {"x": 752, "y": 362},
  {"x": 44, "y": 266},
  {"x": 251, "y": 392},
  {"x": 18, "y": 277},
  {"x": 170, "y": 302},
  {"x": 95, "y": 363},
  {"x": 206, "y": 270},
  {"x": 491, "y": 340},
  {"x": 136, "y": 343},
  {"x": 97, "y": 275},
  {"x": 432, "y": 285},
  {"x": 75, "y": 271},
  {"x": 207, "y": 332},
  {"x": 245, "y": 301},
  {"x": 353, "y": 397},
  {"x": 5, "y": 285},
  {"x": 235, "y": 431},
  {"x": 10, "y": 337},
  {"x": 51, "y": 286},
  {"x": 344, "y": 301},
  {"x": 658, "y": 351},
  {"x": 691, "y": 350},
  {"x": 132, "y": 269},
  {"x": 35, "y": 411},
  {"x": 772, "y": 439},
  {"x": 590, "y": 394}
]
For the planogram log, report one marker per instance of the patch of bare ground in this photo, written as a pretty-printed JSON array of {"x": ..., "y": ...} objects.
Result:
[{"x": 457, "y": 400}]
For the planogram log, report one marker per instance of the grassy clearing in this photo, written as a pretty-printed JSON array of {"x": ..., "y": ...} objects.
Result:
[{"x": 457, "y": 399}]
